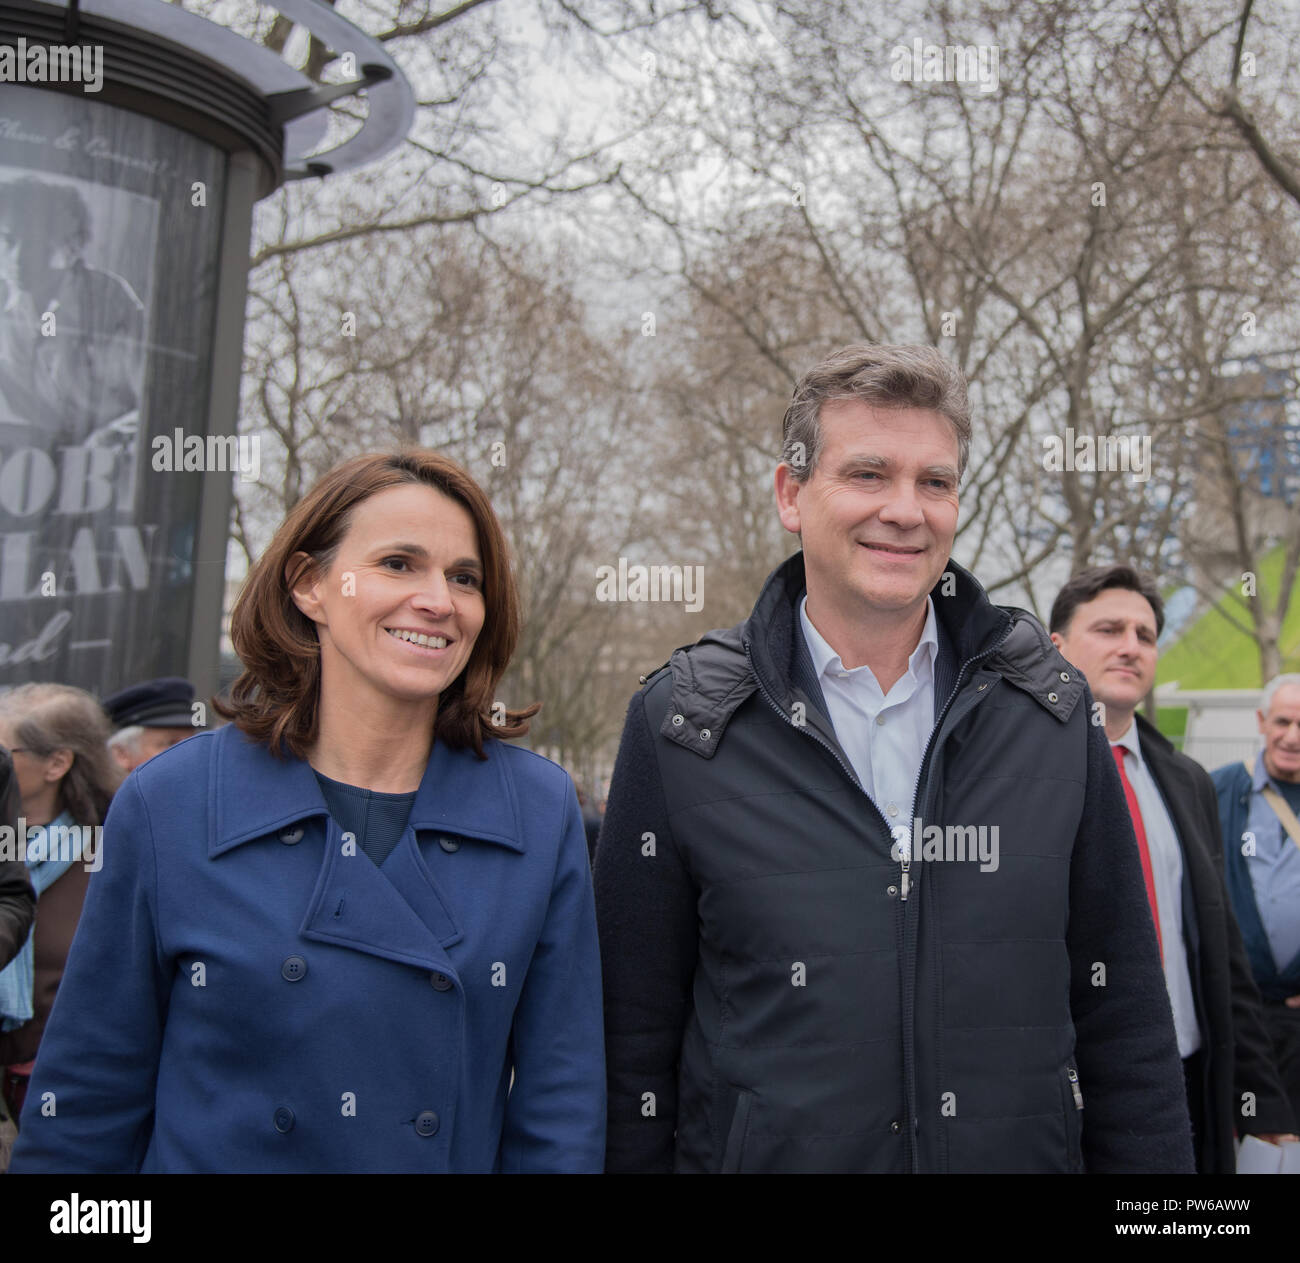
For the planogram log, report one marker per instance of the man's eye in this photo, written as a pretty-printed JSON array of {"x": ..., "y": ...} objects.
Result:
[{"x": 396, "y": 561}]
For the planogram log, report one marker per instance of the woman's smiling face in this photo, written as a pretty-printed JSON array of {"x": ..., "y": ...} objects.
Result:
[{"x": 400, "y": 606}]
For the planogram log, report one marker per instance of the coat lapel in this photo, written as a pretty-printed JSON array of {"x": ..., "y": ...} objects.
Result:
[{"x": 394, "y": 912}]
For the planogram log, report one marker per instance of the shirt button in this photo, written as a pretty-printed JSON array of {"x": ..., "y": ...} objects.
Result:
[
  {"x": 892, "y": 809},
  {"x": 450, "y": 845},
  {"x": 440, "y": 982},
  {"x": 293, "y": 969},
  {"x": 292, "y": 835},
  {"x": 283, "y": 1119},
  {"x": 880, "y": 719},
  {"x": 426, "y": 1124}
]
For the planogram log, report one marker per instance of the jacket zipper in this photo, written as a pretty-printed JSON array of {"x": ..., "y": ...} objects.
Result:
[
  {"x": 1073, "y": 1075},
  {"x": 905, "y": 865}
]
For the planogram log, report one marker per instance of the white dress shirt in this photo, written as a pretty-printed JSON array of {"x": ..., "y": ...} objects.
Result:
[
  {"x": 1167, "y": 869},
  {"x": 884, "y": 735}
]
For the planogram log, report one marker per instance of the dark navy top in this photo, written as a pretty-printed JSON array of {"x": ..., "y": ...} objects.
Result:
[{"x": 377, "y": 820}]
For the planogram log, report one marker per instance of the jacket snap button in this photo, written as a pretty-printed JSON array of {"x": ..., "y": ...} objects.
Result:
[
  {"x": 450, "y": 845},
  {"x": 1065, "y": 677},
  {"x": 892, "y": 890},
  {"x": 705, "y": 734},
  {"x": 426, "y": 1124},
  {"x": 283, "y": 1119},
  {"x": 678, "y": 720},
  {"x": 895, "y": 1128},
  {"x": 291, "y": 836},
  {"x": 1051, "y": 697},
  {"x": 294, "y": 967},
  {"x": 440, "y": 982},
  {"x": 981, "y": 688}
]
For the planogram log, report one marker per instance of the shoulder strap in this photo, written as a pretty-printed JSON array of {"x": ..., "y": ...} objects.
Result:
[{"x": 1281, "y": 808}]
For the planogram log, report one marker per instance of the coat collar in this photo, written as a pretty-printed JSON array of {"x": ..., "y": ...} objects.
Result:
[{"x": 252, "y": 793}]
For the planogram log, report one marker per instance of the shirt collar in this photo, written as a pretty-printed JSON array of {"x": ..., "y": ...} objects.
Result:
[
  {"x": 1131, "y": 742},
  {"x": 827, "y": 662}
]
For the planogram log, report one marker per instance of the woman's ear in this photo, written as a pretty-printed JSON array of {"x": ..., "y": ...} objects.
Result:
[
  {"x": 300, "y": 574},
  {"x": 58, "y": 765}
]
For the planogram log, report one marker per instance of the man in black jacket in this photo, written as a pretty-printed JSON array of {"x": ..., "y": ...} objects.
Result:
[
  {"x": 867, "y": 889},
  {"x": 1106, "y": 621}
]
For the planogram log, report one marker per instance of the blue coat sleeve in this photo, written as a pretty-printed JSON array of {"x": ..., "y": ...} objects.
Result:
[
  {"x": 555, "y": 1114},
  {"x": 90, "y": 1104}
]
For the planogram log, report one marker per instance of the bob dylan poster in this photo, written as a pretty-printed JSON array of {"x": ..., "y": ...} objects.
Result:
[{"x": 107, "y": 280}]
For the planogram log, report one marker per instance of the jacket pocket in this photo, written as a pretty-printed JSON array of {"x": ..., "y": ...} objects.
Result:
[
  {"x": 735, "y": 1148},
  {"x": 1072, "y": 1104}
]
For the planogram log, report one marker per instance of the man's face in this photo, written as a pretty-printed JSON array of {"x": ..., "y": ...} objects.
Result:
[
  {"x": 878, "y": 514},
  {"x": 1280, "y": 729},
  {"x": 1112, "y": 640}
]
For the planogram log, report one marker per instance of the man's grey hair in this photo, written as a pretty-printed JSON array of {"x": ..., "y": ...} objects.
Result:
[
  {"x": 1272, "y": 688},
  {"x": 884, "y": 377},
  {"x": 127, "y": 738}
]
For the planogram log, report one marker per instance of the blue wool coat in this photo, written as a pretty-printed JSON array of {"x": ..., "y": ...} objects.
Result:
[{"x": 247, "y": 991}]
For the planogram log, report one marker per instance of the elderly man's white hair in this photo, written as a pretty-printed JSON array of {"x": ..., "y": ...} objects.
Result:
[
  {"x": 1272, "y": 687},
  {"x": 127, "y": 739}
]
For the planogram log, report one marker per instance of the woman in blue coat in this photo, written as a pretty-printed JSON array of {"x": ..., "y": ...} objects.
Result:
[{"x": 351, "y": 931}]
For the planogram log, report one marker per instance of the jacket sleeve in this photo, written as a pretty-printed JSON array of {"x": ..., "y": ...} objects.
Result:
[
  {"x": 90, "y": 1104},
  {"x": 555, "y": 1113},
  {"x": 1255, "y": 1074},
  {"x": 17, "y": 899},
  {"x": 1135, "y": 1099},
  {"x": 646, "y": 904}
]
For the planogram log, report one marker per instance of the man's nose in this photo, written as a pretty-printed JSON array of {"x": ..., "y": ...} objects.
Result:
[{"x": 903, "y": 504}]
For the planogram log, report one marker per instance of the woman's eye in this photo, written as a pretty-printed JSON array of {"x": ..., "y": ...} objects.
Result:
[
  {"x": 466, "y": 580},
  {"x": 391, "y": 562}
]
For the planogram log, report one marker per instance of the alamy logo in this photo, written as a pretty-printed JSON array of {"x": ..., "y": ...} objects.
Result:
[
  {"x": 53, "y": 63},
  {"x": 65, "y": 843},
  {"x": 679, "y": 584},
  {"x": 948, "y": 844},
  {"x": 208, "y": 454},
  {"x": 947, "y": 63},
  {"x": 99, "y": 1216}
]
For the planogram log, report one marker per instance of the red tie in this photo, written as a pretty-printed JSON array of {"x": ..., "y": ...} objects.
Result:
[{"x": 1143, "y": 852}]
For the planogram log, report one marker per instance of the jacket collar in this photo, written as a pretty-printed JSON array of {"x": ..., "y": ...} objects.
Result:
[
  {"x": 252, "y": 793},
  {"x": 709, "y": 687},
  {"x": 967, "y": 621}
]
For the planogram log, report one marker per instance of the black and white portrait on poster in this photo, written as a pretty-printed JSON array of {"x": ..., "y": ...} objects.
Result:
[{"x": 107, "y": 284}]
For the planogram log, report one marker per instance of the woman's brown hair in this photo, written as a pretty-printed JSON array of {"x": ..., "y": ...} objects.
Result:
[
  {"x": 50, "y": 717},
  {"x": 276, "y": 698}
]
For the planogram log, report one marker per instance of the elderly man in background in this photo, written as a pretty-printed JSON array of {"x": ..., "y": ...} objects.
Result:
[
  {"x": 1258, "y": 806},
  {"x": 149, "y": 718}
]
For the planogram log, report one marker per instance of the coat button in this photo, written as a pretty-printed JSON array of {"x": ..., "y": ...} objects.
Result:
[
  {"x": 426, "y": 1124},
  {"x": 283, "y": 1119},
  {"x": 441, "y": 982},
  {"x": 294, "y": 968},
  {"x": 292, "y": 835},
  {"x": 450, "y": 845},
  {"x": 894, "y": 1127}
]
